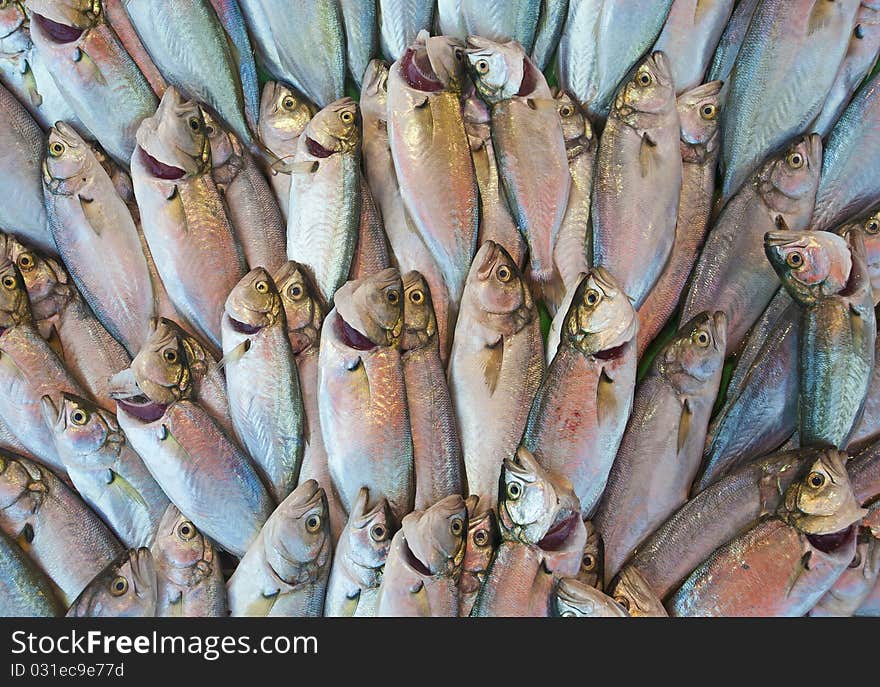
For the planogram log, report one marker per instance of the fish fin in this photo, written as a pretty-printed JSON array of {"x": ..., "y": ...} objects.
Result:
[
  {"x": 301, "y": 167},
  {"x": 93, "y": 215},
  {"x": 702, "y": 6},
  {"x": 349, "y": 607},
  {"x": 684, "y": 423},
  {"x": 646, "y": 155},
  {"x": 819, "y": 16},
  {"x": 87, "y": 63},
  {"x": 119, "y": 483},
  {"x": 174, "y": 195},
  {"x": 32, "y": 93},
  {"x": 802, "y": 567},
  {"x": 493, "y": 357},
  {"x": 423, "y": 104},
  {"x": 606, "y": 402},
  {"x": 54, "y": 340},
  {"x": 235, "y": 354}
]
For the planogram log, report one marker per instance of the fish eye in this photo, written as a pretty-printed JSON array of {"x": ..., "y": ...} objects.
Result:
[
  {"x": 592, "y": 297},
  {"x": 514, "y": 491},
  {"x": 194, "y": 123},
  {"x": 393, "y": 296},
  {"x": 481, "y": 537},
  {"x": 378, "y": 533},
  {"x": 588, "y": 562},
  {"x": 701, "y": 338},
  {"x": 186, "y": 531},
  {"x": 417, "y": 297},
  {"x": 504, "y": 274},
  {"x": 566, "y": 111},
  {"x": 794, "y": 260},
  {"x": 708, "y": 112},
  {"x": 9, "y": 282},
  {"x": 456, "y": 526},
  {"x": 644, "y": 79},
  {"x": 25, "y": 261},
  {"x": 816, "y": 479},
  {"x": 347, "y": 116},
  {"x": 482, "y": 66},
  {"x": 56, "y": 148},
  {"x": 313, "y": 523},
  {"x": 119, "y": 586},
  {"x": 623, "y": 601},
  {"x": 288, "y": 102},
  {"x": 295, "y": 291},
  {"x": 79, "y": 417},
  {"x": 169, "y": 355},
  {"x": 262, "y": 286},
  {"x": 872, "y": 226},
  {"x": 795, "y": 160}
]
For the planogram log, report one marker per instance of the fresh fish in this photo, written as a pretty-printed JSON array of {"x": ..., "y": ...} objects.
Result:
[
  {"x": 732, "y": 273},
  {"x": 797, "y": 73},
  {"x": 495, "y": 368},
  {"x": 527, "y": 133},
  {"x": 21, "y": 143},
  {"x": 262, "y": 381},
  {"x": 400, "y": 22},
  {"x": 189, "y": 576},
  {"x": 731, "y": 40},
  {"x": 230, "y": 15},
  {"x": 429, "y": 146},
  {"x": 53, "y": 526},
  {"x": 436, "y": 446},
  {"x": 362, "y": 394},
  {"x": 285, "y": 570},
  {"x": 249, "y": 201},
  {"x": 479, "y": 549},
  {"x": 601, "y": 42},
  {"x": 371, "y": 252},
  {"x": 25, "y": 590},
  {"x": 284, "y": 115},
  {"x": 424, "y": 563},
  {"x": 638, "y": 180},
  {"x": 92, "y": 70},
  {"x": 361, "y": 35},
  {"x": 127, "y": 588},
  {"x": 187, "y": 43},
  {"x": 548, "y": 31},
  {"x": 97, "y": 238},
  {"x": 120, "y": 22},
  {"x": 575, "y": 599},
  {"x": 501, "y": 21},
  {"x": 359, "y": 559},
  {"x": 325, "y": 196},
  {"x": 689, "y": 37},
  {"x": 699, "y": 112},
  {"x": 182, "y": 212},
  {"x": 580, "y": 411},
  {"x": 105, "y": 469}
]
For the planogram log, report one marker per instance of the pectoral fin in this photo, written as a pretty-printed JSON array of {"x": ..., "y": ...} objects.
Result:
[
  {"x": 646, "y": 155},
  {"x": 493, "y": 356},
  {"x": 607, "y": 405},
  {"x": 684, "y": 424}
]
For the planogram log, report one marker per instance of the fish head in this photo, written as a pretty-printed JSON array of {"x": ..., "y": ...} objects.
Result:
[
  {"x": 577, "y": 129},
  {"x": 649, "y": 90},
  {"x": 498, "y": 291},
  {"x": 822, "y": 502},
  {"x": 792, "y": 174},
  {"x": 174, "y": 141},
  {"x": 696, "y": 353},
  {"x": 297, "y": 536},
  {"x": 128, "y": 587},
  {"x": 254, "y": 303},
  {"x": 870, "y": 231},
  {"x": 574, "y": 598},
  {"x": 419, "y": 320},
  {"x": 48, "y": 285},
  {"x": 592, "y": 567},
  {"x": 68, "y": 158},
  {"x": 90, "y": 435},
  {"x": 480, "y": 544},
  {"x": 372, "y": 308},
  {"x": 601, "y": 317},
  {"x": 809, "y": 264},
  {"x": 499, "y": 70},
  {"x": 433, "y": 64},
  {"x": 81, "y": 14},
  {"x": 220, "y": 140},
  {"x": 179, "y": 545},
  {"x": 374, "y": 91},
  {"x": 435, "y": 537},
  {"x": 334, "y": 129},
  {"x": 14, "y": 306},
  {"x": 284, "y": 115},
  {"x": 635, "y": 595},
  {"x": 303, "y": 308},
  {"x": 699, "y": 111},
  {"x": 369, "y": 532},
  {"x": 16, "y": 482}
]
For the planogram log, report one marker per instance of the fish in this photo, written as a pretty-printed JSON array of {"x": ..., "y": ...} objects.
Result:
[
  {"x": 97, "y": 238},
  {"x": 262, "y": 381},
  {"x": 182, "y": 211},
  {"x": 867, "y": 428},
  {"x": 731, "y": 41},
  {"x": 495, "y": 368},
  {"x": 325, "y": 196},
  {"x": 127, "y": 588},
  {"x": 479, "y": 549},
  {"x": 359, "y": 559},
  {"x": 601, "y": 42},
  {"x": 53, "y": 526},
  {"x": 689, "y": 38},
  {"x": 119, "y": 21},
  {"x": 285, "y": 570},
  {"x": 574, "y": 599},
  {"x": 436, "y": 446},
  {"x": 424, "y": 562},
  {"x": 249, "y": 201},
  {"x": 189, "y": 575},
  {"x": 499, "y": 21},
  {"x": 106, "y": 471},
  {"x": 400, "y": 22},
  {"x": 429, "y": 146},
  {"x": 699, "y": 111},
  {"x": 548, "y": 31},
  {"x": 91, "y": 68},
  {"x": 638, "y": 180},
  {"x": 592, "y": 570},
  {"x": 21, "y": 151},
  {"x": 361, "y": 35},
  {"x": 371, "y": 253},
  {"x": 580, "y": 412},
  {"x": 732, "y": 273},
  {"x": 798, "y": 72},
  {"x": 25, "y": 590},
  {"x": 632, "y": 593},
  {"x": 528, "y": 137},
  {"x": 864, "y": 473},
  {"x": 284, "y": 115},
  {"x": 362, "y": 394}
]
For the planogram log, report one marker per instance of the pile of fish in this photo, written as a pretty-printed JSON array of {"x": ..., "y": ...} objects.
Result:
[{"x": 454, "y": 308}]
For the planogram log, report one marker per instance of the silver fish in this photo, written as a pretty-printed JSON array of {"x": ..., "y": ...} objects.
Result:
[
  {"x": 498, "y": 20},
  {"x": 361, "y": 35},
  {"x": 231, "y": 17},
  {"x": 400, "y": 21},
  {"x": 25, "y": 590},
  {"x": 731, "y": 40},
  {"x": 548, "y": 31},
  {"x": 127, "y": 588}
]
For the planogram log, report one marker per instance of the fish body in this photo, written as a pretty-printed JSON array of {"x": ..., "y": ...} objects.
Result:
[
  {"x": 361, "y": 35},
  {"x": 232, "y": 19},
  {"x": 400, "y": 22},
  {"x": 548, "y": 31},
  {"x": 371, "y": 253},
  {"x": 25, "y": 590},
  {"x": 856, "y": 583},
  {"x": 731, "y": 40}
]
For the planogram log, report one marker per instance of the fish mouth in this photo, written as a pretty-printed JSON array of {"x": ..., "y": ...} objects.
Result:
[
  {"x": 418, "y": 72},
  {"x": 611, "y": 353},
  {"x": 142, "y": 408},
  {"x": 351, "y": 337},
  {"x": 316, "y": 149},
  {"x": 243, "y": 327},
  {"x": 529, "y": 80},
  {"x": 58, "y": 33},
  {"x": 559, "y": 533},
  {"x": 829, "y": 543},
  {"x": 159, "y": 169},
  {"x": 413, "y": 562}
]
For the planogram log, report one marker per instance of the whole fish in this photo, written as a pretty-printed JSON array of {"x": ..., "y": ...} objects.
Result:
[
  {"x": 796, "y": 73},
  {"x": 361, "y": 35},
  {"x": 362, "y": 394},
  {"x": 527, "y": 134},
  {"x": 479, "y": 549},
  {"x": 371, "y": 252},
  {"x": 182, "y": 212},
  {"x": 548, "y": 31},
  {"x": 25, "y": 590},
  {"x": 262, "y": 381},
  {"x": 424, "y": 563},
  {"x": 53, "y": 526},
  {"x": 91, "y": 68},
  {"x": 127, "y": 588},
  {"x": 574, "y": 599},
  {"x": 21, "y": 143},
  {"x": 105, "y": 469},
  {"x": 602, "y": 40},
  {"x": 284, "y": 115},
  {"x": 285, "y": 570},
  {"x": 253, "y": 212},
  {"x": 189, "y": 576},
  {"x": 699, "y": 111},
  {"x": 732, "y": 273},
  {"x": 97, "y": 238},
  {"x": 638, "y": 180},
  {"x": 854, "y": 585},
  {"x": 663, "y": 442},
  {"x": 232, "y": 19},
  {"x": 495, "y": 368},
  {"x": 731, "y": 40},
  {"x": 436, "y": 446},
  {"x": 580, "y": 411},
  {"x": 400, "y": 21},
  {"x": 429, "y": 146},
  {"x": 325, "y": 196},
  {"x": 189, "y": 46},
  {"x": 359, "y": 559}
]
